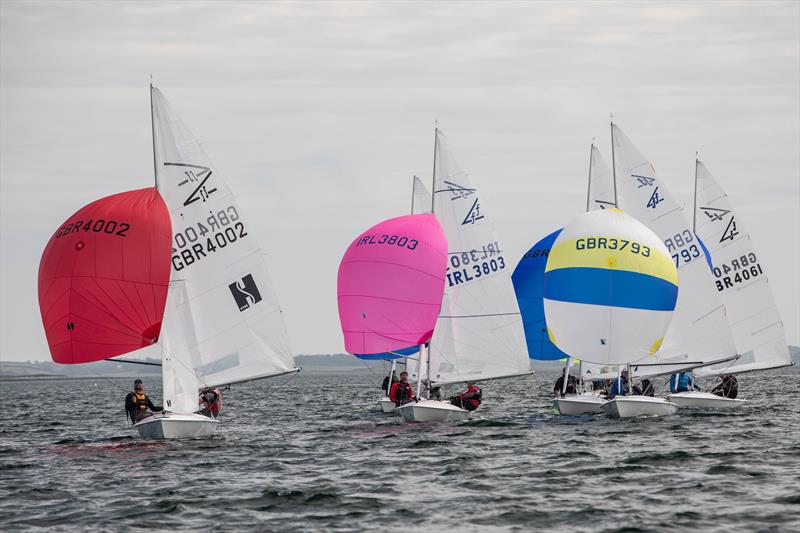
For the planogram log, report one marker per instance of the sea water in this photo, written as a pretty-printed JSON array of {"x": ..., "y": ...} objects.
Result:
[{"x": 315, "y": 454}]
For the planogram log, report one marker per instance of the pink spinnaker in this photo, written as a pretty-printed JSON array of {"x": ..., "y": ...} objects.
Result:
[{"x": 391, "y": 283}]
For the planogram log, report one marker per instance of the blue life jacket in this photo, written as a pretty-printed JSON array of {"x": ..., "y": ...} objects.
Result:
[
  {"x": 618, "y": 387},
  {"x": 680, "y": 382}
]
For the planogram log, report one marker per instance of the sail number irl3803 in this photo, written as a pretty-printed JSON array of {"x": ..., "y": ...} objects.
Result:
[
  {"x": 207, "y": 236},
  {"x": 464, "y": 267}
]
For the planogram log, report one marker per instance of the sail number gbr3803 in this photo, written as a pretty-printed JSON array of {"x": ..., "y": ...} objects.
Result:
[{"x": 205, "y": 237}]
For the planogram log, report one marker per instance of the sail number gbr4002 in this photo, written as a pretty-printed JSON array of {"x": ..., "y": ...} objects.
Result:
[{"x": 206, "y": 237}]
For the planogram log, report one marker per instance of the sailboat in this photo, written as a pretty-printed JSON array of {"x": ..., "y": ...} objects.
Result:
[
  {"x": 390, "y": 286},
  {"x": 741, "y": 281},
  {"x": 610, "y": 289},
  {"x": 479, "y": 334},
  {"x": 699, "y": 334},
  {"x": 420, "y": 203},
  {"x": 175, "y": 265}
]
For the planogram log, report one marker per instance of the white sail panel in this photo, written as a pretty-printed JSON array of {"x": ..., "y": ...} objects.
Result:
[
  {"x": 479, "y": 333},
  {"x": 420, "y": 198},
  {"x": 699, "y": 331},
  {"x": 238, "y": 332},
  {"x": 177, "y": 371},
  {"x": 741, "y": 281},
  {"x": 601, "y": 183}
]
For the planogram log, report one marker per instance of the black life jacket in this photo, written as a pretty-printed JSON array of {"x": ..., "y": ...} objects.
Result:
[{"x": 402, "y": 393}]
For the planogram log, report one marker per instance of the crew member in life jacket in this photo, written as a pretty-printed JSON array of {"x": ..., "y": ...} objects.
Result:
[
  {"x": 572, "y": 385},
  {"x": 681, "y": 382},
  {"x": 138, "y": 404},
  {"x": 401, "y": 392},
  {"x": 729, "y": 388},
  {"x": 470, "y": 399},
  {"x": 210, "y": 402},
  {"x": 620, "y": 386},
  {"x": 387, "y": 382}
]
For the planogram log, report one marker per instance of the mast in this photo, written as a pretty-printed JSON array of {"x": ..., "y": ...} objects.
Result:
[
  {"x": 433, "y": 203},
  {"x": 433, "y": 180},
  {"x": 589, "y": 186},
  {"x": 613, "y": 163},
  {"x": 694, "y": 211},
  {"x": 153, "y": 133}
]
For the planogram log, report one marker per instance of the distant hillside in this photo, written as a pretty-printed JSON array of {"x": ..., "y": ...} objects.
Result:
[{"x": 315, "y": 364}]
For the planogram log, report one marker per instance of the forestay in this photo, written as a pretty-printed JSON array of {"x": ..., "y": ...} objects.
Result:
[
  {"x": 479, "y": 333},
  {"x": 741, "y": 281},
  {"x": 699, "y": 331},
  {"x": 223, "y": 322}
]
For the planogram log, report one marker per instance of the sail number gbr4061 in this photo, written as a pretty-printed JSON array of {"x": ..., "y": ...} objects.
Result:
[
  {"x": 464, "y": 267},
  {"x": 206, "y": 237}
]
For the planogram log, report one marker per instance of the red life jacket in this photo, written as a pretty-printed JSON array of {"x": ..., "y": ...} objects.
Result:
[
  {"x": 401, "y": 392},
  {"x": 215, "y": 406},
  {"x": 471, "y": 398}
]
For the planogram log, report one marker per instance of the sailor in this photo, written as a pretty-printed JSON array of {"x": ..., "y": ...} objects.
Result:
[
  {"x": 620, "y": 385},
  {"x": 385, "y": 384},
  {"x": 729, "y": 388},
  {"x": 210, "y": 402},
  {"x": 138, "y": 404},
  {"x": 470, "y": 399},
  {"x": 681, "y": 382},
  {"x": 401, "y": 392},
  {"x": 571, "y": 385}
]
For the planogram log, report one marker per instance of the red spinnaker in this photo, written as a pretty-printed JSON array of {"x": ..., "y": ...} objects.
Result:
[{"x": 103, "y": 278}]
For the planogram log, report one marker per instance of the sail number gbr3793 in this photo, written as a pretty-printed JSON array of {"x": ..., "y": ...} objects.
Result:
[{"x": 205, "y": 237}]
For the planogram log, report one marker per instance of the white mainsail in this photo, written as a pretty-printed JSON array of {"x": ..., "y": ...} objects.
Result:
[
  {"x": 479, "y": 332},
  {"x": 740, "y": 280},
  {"x": 223, "y": 323},
  {"x": 699, "y": 332}
]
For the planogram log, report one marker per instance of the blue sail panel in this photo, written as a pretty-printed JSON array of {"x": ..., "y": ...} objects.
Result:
[
  {"x": 388, "y": 356},
  {"x": 528, "y": 280}
]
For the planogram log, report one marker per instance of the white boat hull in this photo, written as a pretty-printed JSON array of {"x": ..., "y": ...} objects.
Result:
[
  {"x": 166, "y": 425},
  {"x": 704, "y": 400},
  {"x": 579, "y": 404},
  {"x": 633, "y": 406},
  {"x": 387, "y": 405},
  {"x": 432, "y": 411}
]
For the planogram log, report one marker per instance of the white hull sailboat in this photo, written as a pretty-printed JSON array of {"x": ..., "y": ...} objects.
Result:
[
  {"x": 638, "y": 406},
  {"x": 432, "y": 411},
  {"x": 387, "y": 406},
  {"x": 579, "y": 404},
  {"x": 704, "y": 400},
  {"x": 478, "y": 334},
  {"x": 168, "y": 425}
]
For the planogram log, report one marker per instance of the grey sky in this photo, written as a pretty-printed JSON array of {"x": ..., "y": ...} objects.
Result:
[{"x": 319, "y": 114}]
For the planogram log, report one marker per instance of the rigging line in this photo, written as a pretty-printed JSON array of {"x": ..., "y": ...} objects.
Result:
[
  {"x": 478, "y": 316},
  {"x": 131, "y": 361}
]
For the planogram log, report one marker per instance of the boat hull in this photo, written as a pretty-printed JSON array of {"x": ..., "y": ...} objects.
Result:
[
  {"x": 634, "y": 406},
  {"x": 704, "y": 400},
  {"x": 167, "y": 426},
  {"x": 432, "y": 411},
  {"x": 387, "y": 406},
  {"x": 579, "y": 404}
]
